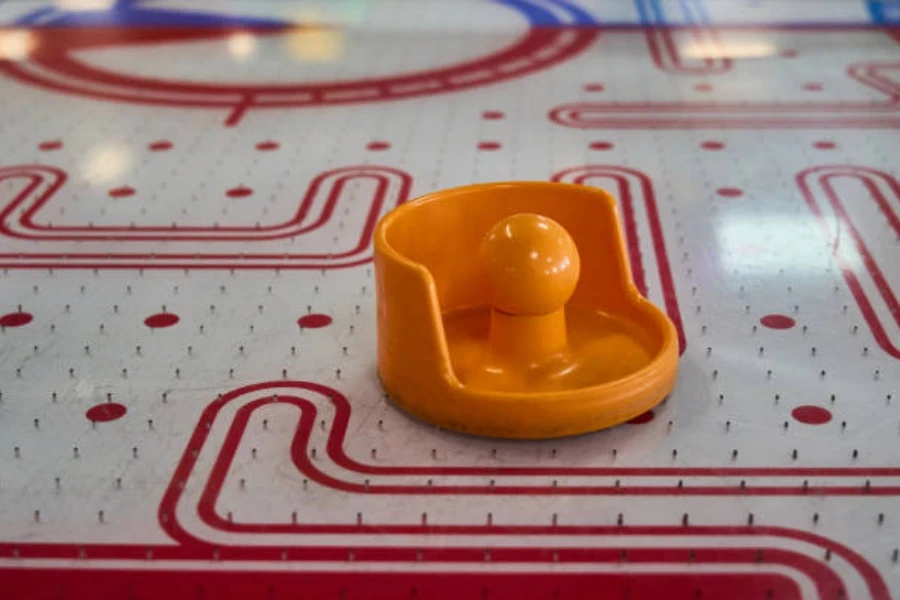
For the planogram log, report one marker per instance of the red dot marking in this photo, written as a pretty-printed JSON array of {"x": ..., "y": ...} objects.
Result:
[
  {"x": 121, "y": 192},
  {"x": 729, "y": 192},
  {"x": 601, "y": 145},
  {"x": 643, "y": 418},
  {"x": 51, "y": 145},
  {"x": 239, "y": 192},
  {"x": 16, "y": 319},
  {"x": 825, "y": 145},
  {"x": 160, "y": 146},
  {"x": 489, "y": 146},
  {"x": 377, "y": 146},
  {"x": 314, "y": 321},
  {"x": 813, "y": 87},
  {"x": 594, "y": 87},
  {"x": 108, "y": 411},
  {"x": 268, "y": 146},
  {"x": 811, "y": 415},
  {"x": 789, "y": 53},
  {"x": 703, "y": 87},
  {"x": 711, "y": 145},
  {"x": 161, "y": 320},
  {"x": 492, "y": 115},
  {"x": 777, "y": 322}
]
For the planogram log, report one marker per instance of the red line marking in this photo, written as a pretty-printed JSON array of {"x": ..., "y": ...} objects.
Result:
[
  {"x": 823, "y": 176},
  {"x": 240, "y": 109},
  {"x": 71, "y": 76},
  {"x": 824, "y": 578},
  {"x": 335, "y": 450},
  {"x": 190, "y": 547},
  {"x": 193, "y": 546},
  {"x": 338, "y": 431},
  {"x": 332, "y": 182},
  {"x": 878, "y": 114},
  {"x": 618, "y": 174},
  {"x": 181, "y": 266},
  {"x": 38, "y": 175},
  {"x": 169, "y": 520},
  {"x": 559, "y": 115},
  {"x": 234, "y": 584}
]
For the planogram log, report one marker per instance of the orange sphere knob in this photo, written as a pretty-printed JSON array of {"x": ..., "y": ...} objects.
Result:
[{"x": 532, "y": 265}]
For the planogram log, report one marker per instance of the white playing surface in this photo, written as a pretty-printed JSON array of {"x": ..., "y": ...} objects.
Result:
[{"x": 187, "y": 223}]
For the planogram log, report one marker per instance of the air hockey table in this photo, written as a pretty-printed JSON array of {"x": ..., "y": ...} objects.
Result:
[{"x": 189, "y": 406}]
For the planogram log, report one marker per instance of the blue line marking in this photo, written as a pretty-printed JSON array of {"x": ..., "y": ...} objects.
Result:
[
  {"x": 884, "y": 12},
  {"x": 581, "y": 16},
  {"x": 34, "y": 16},
  {"x": 650, "y": 12},
  {"x": 536, "y": 15},
  {"x": 659, "y": 16},
  {"x": 641, "y": 8},
  {"x": 131, "y": 13},
  {"x": 539, "y": 16}
]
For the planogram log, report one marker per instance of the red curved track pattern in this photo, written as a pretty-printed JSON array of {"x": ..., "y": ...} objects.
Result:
[
  {"x": 222, "y": 434},
  {"x": 56, "y": 68},
  {"x": 254, "y": 397},
  {"x": 631, "y": 187},
  {"x": 732, "y": 561},
  {"x": 236, "y": 583},
  {"x": 883, "y": 113},
  {"x": 316, "y": 209},
  {"x": 727, "y": 571},
  {"x": 582, "y": 480},
  {"x": 668, "y": 56},
  {"x": 858, "y": 262}
]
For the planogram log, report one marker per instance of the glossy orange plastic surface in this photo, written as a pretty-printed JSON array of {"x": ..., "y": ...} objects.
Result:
[{"x": 508, "y": 310}]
